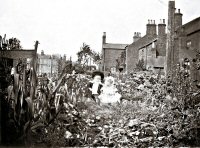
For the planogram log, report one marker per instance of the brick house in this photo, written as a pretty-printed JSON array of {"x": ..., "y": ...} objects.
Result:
[
  {"x": 187, "y": 44},
  {"x": 150, "y": 48},
  {"x": 110, "y": 53},
  {"x": 159, "y": 50},
  {"x": 183, "y": 41},
  {"x": 49, "y": 64}
]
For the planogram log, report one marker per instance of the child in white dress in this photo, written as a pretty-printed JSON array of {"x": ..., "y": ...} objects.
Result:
[{"x": 109, "y": 92}]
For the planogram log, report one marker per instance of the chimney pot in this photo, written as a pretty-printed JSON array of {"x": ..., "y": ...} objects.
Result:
[
  {"x": 163, "y": 21},
  {"x": 179, "y": 11},
  {"x": 136, "y": 36},
  {"x": 104, "y": 33}
]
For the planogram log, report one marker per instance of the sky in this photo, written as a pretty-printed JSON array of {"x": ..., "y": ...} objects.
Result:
[{"x": 62, "y": 26}]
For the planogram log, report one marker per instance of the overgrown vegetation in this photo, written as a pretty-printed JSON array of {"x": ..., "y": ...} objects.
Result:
[
  {"x": 159, "y": 119},
  {"x": 140, "y": 65},
  {"x": 154, "y": 112},
  {"x": 10, "y": 44}
]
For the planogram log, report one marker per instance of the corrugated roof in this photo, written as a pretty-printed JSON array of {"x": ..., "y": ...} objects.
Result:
[{"x": 115, "y": 46}]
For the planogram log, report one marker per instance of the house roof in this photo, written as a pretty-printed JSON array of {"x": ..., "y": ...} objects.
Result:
[
  {"x": 148, "y": 43},
  {"x": 44, "y": 56},
  {"x": 114, "y": 46},
  {"x": 47, "y": 56},
  {"x": 196, "y": 20},
  {"x": 145, "y": 40},
  {"x": 191, "y": 27}
]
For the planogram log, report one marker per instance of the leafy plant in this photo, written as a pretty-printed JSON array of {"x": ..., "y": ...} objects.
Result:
[{"x": 140, "y": 65}]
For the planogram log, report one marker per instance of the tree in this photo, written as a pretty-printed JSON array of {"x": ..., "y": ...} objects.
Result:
[
  {"x": 96, "y": 56},
  {"x": 14, "y": 44},
  {"x": 140, "y": 65},
  {"x": 11, "y": 44},
  {"x": 84, "y": 54}
]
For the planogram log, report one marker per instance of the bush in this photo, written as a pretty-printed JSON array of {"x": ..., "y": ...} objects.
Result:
[{"x": 140, "y": 65}]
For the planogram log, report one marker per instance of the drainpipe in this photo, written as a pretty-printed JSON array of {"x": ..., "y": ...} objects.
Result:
[
  {"x": 51, "y": 66},
  {"x": 104, "y": 69},
  {"x": 146, "y": 57}
]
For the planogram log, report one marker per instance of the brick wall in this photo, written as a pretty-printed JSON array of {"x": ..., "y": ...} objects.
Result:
[
  {"x": 110, "y": 57},
  {"x": 187, "y": 42},
  {"x": 110, "y": 53},
  {"x": 162, "y": 38},
  {"x": 132, "y": 51}
]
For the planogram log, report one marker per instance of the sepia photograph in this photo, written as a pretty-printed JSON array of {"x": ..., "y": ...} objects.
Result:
[{"x": 99, "y": 73}]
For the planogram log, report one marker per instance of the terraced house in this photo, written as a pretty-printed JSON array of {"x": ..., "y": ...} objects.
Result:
[
  {"x": 183, "y": 42},
  {"x": 164, "y": 46},
  {"x": 150, "y": 48},
  {"x": 49, "y": 64}
]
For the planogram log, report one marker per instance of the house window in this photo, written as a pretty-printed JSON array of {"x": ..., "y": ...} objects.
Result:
[{"x": 188, "y": 44}]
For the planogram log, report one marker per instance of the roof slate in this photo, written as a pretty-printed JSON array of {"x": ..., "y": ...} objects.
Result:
[{"x": 115, "y": 46}]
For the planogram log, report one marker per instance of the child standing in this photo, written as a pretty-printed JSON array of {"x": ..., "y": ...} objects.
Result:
[{"x": 95, "y": 85}]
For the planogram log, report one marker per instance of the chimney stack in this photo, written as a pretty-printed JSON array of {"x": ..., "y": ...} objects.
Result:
[
  {"x": 161, "y": 27},
  {"x": 178, "y": 19},
  {"x": 151, "y": 27},
  {"x": 137, "y": 36},
  {"x": 161, "y": 42},
  {"x": 104, "y": 37}
]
